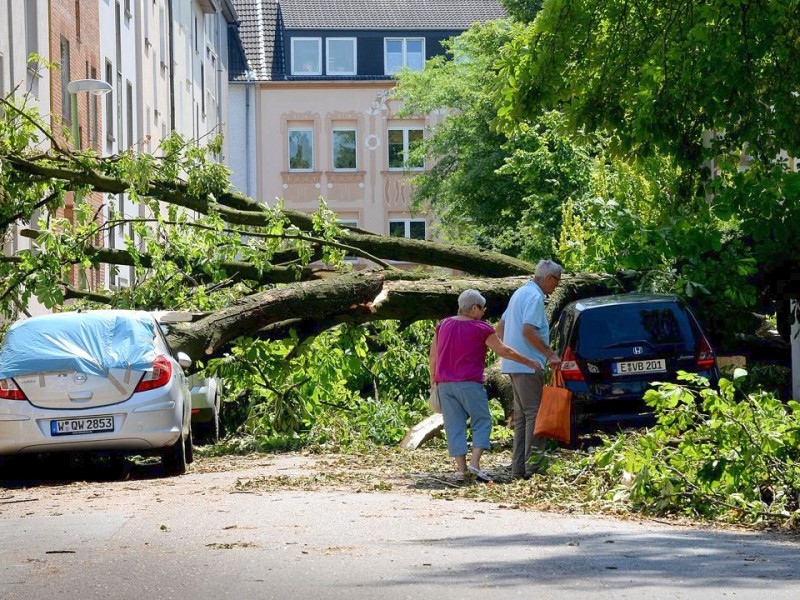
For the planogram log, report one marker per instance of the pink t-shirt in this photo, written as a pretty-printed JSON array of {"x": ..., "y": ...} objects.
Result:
[{"x": 461, "y": 349}]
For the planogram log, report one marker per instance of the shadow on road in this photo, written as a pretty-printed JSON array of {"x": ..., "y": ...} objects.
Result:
[
  {"x": 58, "y": 469},
  {"x": 623, "y": 559}
]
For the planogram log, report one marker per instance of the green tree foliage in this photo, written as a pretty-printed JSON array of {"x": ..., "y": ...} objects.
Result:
[
  {"x": 590, "y": 131},
  {"x": 712, "y": 85},
  {"x": 714, "y": 454},
  {"x": 348, "y": 387},
  {"x": 538, "y": 189},
  {"x": 522, "y": 10},
  {"x": 500, "y": 190},
  {"x": 663, "y": 73},
  {"x": 463, "y": 185}
]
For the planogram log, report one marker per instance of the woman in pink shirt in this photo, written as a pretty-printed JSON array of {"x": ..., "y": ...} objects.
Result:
[{"x": 457, "y": 360}]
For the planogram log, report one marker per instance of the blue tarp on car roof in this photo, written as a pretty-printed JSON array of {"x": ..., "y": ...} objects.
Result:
[{"x": 90, "y": 342}]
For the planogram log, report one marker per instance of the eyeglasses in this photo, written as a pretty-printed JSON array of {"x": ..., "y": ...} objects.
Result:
[{"x": 483, "y": 308}]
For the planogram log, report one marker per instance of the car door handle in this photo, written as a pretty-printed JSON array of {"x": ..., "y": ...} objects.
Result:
[{"x": 77, "y": 396}]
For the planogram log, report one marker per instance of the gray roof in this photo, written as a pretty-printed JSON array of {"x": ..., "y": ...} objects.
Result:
[
  {"x": 388, "y": 14},
  {"x": 261, "y": 38},
  {"x": 261, "y": 23}
]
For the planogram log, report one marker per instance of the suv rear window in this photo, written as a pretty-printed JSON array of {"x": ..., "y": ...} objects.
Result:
[{"x": 659, "y": 325}]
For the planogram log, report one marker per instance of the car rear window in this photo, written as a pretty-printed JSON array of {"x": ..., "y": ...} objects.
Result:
[{"x": 659, "y": 325}]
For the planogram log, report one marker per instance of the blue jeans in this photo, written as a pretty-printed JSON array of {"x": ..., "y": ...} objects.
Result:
[{"x": 461, "y": 400}]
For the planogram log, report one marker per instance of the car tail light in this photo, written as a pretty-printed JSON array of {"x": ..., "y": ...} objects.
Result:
[
  {"x": 158, "y": 377},
  {"x": 569, "y": 366},
  {"x": 10, "y": 391},
  {"x": 704, "y": 355}
]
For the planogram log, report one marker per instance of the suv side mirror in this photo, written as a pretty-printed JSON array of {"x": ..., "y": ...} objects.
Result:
[{"x": 184, "y": 360}]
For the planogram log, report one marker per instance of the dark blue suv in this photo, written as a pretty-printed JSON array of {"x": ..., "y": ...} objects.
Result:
[{"x": 613, "y": 347}]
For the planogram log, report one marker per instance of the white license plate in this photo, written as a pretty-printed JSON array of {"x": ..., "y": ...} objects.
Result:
[
  {"x": 639, "y": 366},
  {"x": 81, "y": 426}
]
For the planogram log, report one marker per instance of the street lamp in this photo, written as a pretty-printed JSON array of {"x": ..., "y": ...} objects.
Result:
[{"x": 93, "y": 86}]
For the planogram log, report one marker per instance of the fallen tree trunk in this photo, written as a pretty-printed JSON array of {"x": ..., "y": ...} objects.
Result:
[{"x": 311, "y": 307}]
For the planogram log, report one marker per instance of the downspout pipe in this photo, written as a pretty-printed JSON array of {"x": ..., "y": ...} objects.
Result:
[
  {"x": 171, "y": 29},
  {"x": 247, "y": 89}
]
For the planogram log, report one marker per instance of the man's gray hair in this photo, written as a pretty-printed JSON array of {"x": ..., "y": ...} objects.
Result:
[
  {"x": 468, "y": 299},
  {"x": 545, "y": 268}
]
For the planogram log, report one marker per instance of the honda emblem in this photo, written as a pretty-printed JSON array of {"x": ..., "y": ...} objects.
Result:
[{"x": 638, "y": 350}]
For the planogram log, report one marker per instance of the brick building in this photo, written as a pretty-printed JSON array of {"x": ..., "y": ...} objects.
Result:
[{"x": 75, "y": 46}]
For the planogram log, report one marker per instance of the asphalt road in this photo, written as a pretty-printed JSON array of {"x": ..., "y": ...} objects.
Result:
[{"x": 195, "y": 537}]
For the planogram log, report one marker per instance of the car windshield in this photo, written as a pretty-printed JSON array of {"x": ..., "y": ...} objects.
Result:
[{"x": 654, "y": 325}]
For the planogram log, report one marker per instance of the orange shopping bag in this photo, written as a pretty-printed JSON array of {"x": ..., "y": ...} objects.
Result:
[{"x": 553, "y": 420}]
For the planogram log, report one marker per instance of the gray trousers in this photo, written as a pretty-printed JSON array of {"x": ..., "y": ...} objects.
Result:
[{"x": 527, "y": 397}]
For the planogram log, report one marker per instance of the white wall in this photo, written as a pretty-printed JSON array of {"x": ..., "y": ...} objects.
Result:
[
  {"x": 200, "y": 70},
  {"x": 118, "y": 41},
  {"x": 153, "y": 102},
  {"x": 241, "y": 157}
]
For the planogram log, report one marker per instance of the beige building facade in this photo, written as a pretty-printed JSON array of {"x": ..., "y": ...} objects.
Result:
[{"x": 342, "y": 142}]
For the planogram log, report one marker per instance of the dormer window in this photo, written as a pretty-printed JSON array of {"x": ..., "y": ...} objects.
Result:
[
  {"x": 341, "y": 54},
  {"x": 403, "y": 52},
  {"x": 306, "y": 56}
]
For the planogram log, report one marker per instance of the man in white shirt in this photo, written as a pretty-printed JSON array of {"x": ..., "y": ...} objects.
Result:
[{"x": 525, "y": 328}]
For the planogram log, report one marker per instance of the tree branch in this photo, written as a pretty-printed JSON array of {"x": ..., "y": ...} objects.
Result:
[{"x": 237, "y": 209}]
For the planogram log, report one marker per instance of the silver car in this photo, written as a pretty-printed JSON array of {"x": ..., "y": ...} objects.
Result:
[{"x": 94, "y": 381}]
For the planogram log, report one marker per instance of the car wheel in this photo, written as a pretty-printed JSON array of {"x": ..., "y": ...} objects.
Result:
[
  {"x": 174, "y": 457},
  {"x": 189, "y": 450}
]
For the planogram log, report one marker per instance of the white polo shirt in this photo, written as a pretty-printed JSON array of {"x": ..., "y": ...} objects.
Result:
[{"x": 526, "y": 306}]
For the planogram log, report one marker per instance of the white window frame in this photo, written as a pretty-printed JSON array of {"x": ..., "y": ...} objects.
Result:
[
  {"x": 333, "y": 150},
  {"x": 328, "y": 55},
  {"x": 404, "y": 62},
  {"x": 407, "y": 226},
  {"x": 406, "y": 148},
  {"x": 310, "y": 131},
  {"x": 319, "y": 55}
]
